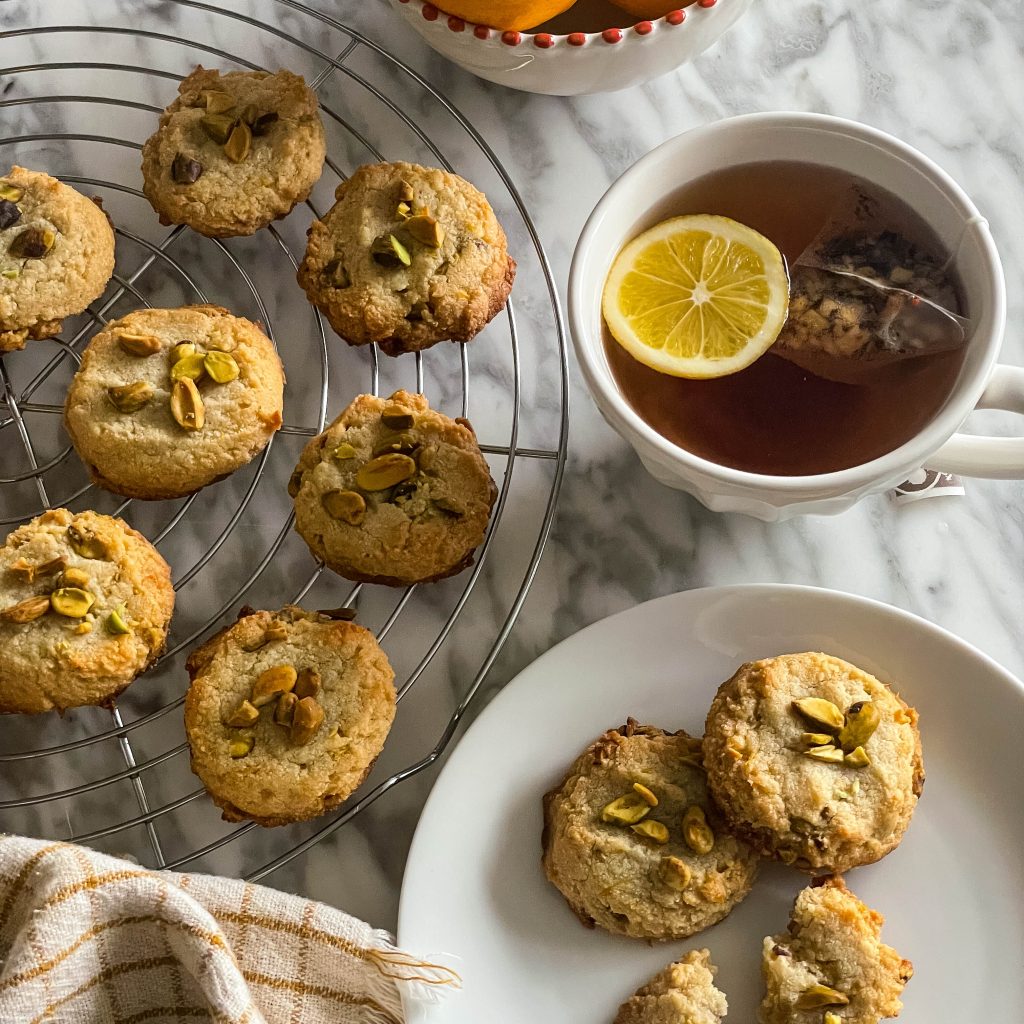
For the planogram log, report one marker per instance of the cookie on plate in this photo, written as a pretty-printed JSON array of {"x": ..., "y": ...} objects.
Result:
[
  {"x": 830, "y": 966},
  {"x": 167, "y": 401},
  {"x": 813, "y": 761},
  {"x": 393, "y": 492},
  {"x": 286, "y": 713},
  {"x": 407, "y": 257},
  {"x": 634, "y": 843},
  {"x": 234, "y": 152},
  {"x": 56, "y": 255},
  {"x": 85, "y": 603},
  {"x": 683, "y": 993}
]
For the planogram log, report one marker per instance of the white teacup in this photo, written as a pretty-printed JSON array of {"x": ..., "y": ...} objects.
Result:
[{"x": 831, "y": 141}]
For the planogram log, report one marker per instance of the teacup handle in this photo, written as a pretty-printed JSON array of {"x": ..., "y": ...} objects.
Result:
[{"x": 999, "y": 458}]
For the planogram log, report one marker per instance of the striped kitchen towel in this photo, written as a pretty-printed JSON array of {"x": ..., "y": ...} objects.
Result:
[{"x": 88, "y": 938}]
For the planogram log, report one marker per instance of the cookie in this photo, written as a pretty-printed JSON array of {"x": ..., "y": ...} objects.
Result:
[
  {"x": 683, "y": 993},
  {"x": 286, "y": 713},
  {"x": 167, "y": 401},
  {"x": 234, "y": 152},
  {"x": 635, "y": 845},
  {"x": 85, "y": 603},
  {"x": 813, "y": 761},
  {"x": 393, "y": 492},
  {"x": 56, "y": 255},
  {"x": 829, "y": 967},
  {"x": 407, "y": 257}
]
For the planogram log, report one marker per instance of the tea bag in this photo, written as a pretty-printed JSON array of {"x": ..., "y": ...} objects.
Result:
[{"x": 864, "y": 297}]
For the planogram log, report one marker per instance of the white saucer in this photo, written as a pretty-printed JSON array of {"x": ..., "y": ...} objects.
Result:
[{"x": 951, "y": 893}]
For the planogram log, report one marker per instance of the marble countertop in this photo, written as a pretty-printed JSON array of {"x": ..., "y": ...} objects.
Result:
[{"x": 946, "y": 78}]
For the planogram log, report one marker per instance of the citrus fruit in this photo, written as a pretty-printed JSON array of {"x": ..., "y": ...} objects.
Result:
[
  {"x": 506, "y": 14},
  {"x": 697, "y": 296},
  {"x": 650, "y": 8}
]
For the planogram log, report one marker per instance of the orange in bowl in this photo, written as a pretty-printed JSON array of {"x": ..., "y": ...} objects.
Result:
[{"x": 513, "y": 15}]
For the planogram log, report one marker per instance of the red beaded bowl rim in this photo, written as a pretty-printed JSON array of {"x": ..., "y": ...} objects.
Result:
[{"x": 548, "y": 40}]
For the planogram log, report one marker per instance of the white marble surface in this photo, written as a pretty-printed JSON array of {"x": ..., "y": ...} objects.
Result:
[{"x": 945, "y": 77}]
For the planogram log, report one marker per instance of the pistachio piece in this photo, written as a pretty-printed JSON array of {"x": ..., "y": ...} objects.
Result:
[
  {"x": 388, "y": 251},
  {"x": 697, "y": 832},
  {"x": 385, "y": 471},
  {"x": 82, "y": 628},
  {"x": 28, "y": 573},
  {"x": 344, "y": 451},
  {"x": 626, "y": 810},
  {"x": 406, "y": 193},
  {"x": 862, "y": 719},
  {"x": 308, "y": 684},
  {"x": 218, "y": 127},
  {"x": 819, "y": 711},
  {"x": 342, "y": 614},
  {"x": 10, "y": 192},
  {"x": 831, "y": 1018},
  {"x": 72, "y": 602},
  {"x": 85, "y": 542},
  {"x": 645, "y": 794},
  {"x": 218, "y": 102},
  {"x": 182, "y": 349},
  {"x": 33, "y": 243},
  {"x": 236, "y": 149},
  {"x": 395, "y": 417},
  {"x": 138, "y": 344},
  {"x": 447, "y": 504},
  {"x": 271, "y": 683},
  {"x": 308, "y": 717},
  {"x": 825, "y": 753},
  {"x": 275, "y": 631},
  {"x": 244, "y": 715},
  {"x": 426, "y": 230},
  {"x": 185, "y": 170},
  {"x": 249, "y": 114},
  {"x": 10, "y": 273},
  {"x": 284, "y": 709},
  {"x": 403, "y": 210},
  {"x": 816, "y": 739},
  {"x": 335, "y": 741},
  {"x": 262, "y": 124},
  {"x": 187, "y": 405},
  {"x": 857, "y": 758},
  {"x": 348, "y": 506},
  {"x": 404, "y": 443},
  {"x": 10, "y": 214},
  {"x": 221, "y": 366},
  {"x": 817, "y": 996},
  {"x": 130, "y": 397},
  {"x": 295, "y": 483},
  {"x": 28, "y": 610},
  {"x": 676, "y": 873},
  {"x": 336, "y": 274},
  {"x": 73, "y": 578},
  {"x": 651, "y": 830},
  {"x": 115, "y": 621},
  {"x": 191, "y": 365},
  {"x": 241, "y": 748}
]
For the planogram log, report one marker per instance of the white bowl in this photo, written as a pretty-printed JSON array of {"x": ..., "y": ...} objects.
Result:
[
  {"x": 580, "y": 62},
  {"x": 627, "y": 208}
]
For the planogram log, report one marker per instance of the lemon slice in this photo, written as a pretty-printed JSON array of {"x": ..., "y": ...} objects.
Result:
[{"x": 697, "y": 296}]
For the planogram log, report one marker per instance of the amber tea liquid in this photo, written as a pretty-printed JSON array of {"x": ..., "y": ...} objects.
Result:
[{"x": 774, "y": 417}]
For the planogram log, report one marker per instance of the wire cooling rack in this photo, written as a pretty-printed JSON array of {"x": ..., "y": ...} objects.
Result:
[{"x": 77, "y": 101}]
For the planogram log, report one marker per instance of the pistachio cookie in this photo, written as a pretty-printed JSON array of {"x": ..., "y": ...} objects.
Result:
[
  {"x": 408, "y": 256},
  {"x": 56, "y": 255},
  {"x": 813, "y": 761},
  {"x": 234, "y": 152},
  {"x": 85, "y": 603},
  {"x": 683, "y": 993},
  {"x": 286, "y": 713},
  {"x": 167, "y": 401},
  {"x": 634, "y": 843},
  {"x": 830, "y": 967},
  {"x": 393, "y": 492}
]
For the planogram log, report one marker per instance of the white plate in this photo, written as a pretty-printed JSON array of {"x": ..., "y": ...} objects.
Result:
[{"x": 951, "y": 893}]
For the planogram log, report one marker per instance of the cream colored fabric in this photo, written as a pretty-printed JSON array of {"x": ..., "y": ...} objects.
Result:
[{"x": 88, "y": 938}]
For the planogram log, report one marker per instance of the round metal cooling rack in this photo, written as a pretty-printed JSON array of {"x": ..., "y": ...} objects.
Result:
[{"x": 118, "y": 779}]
